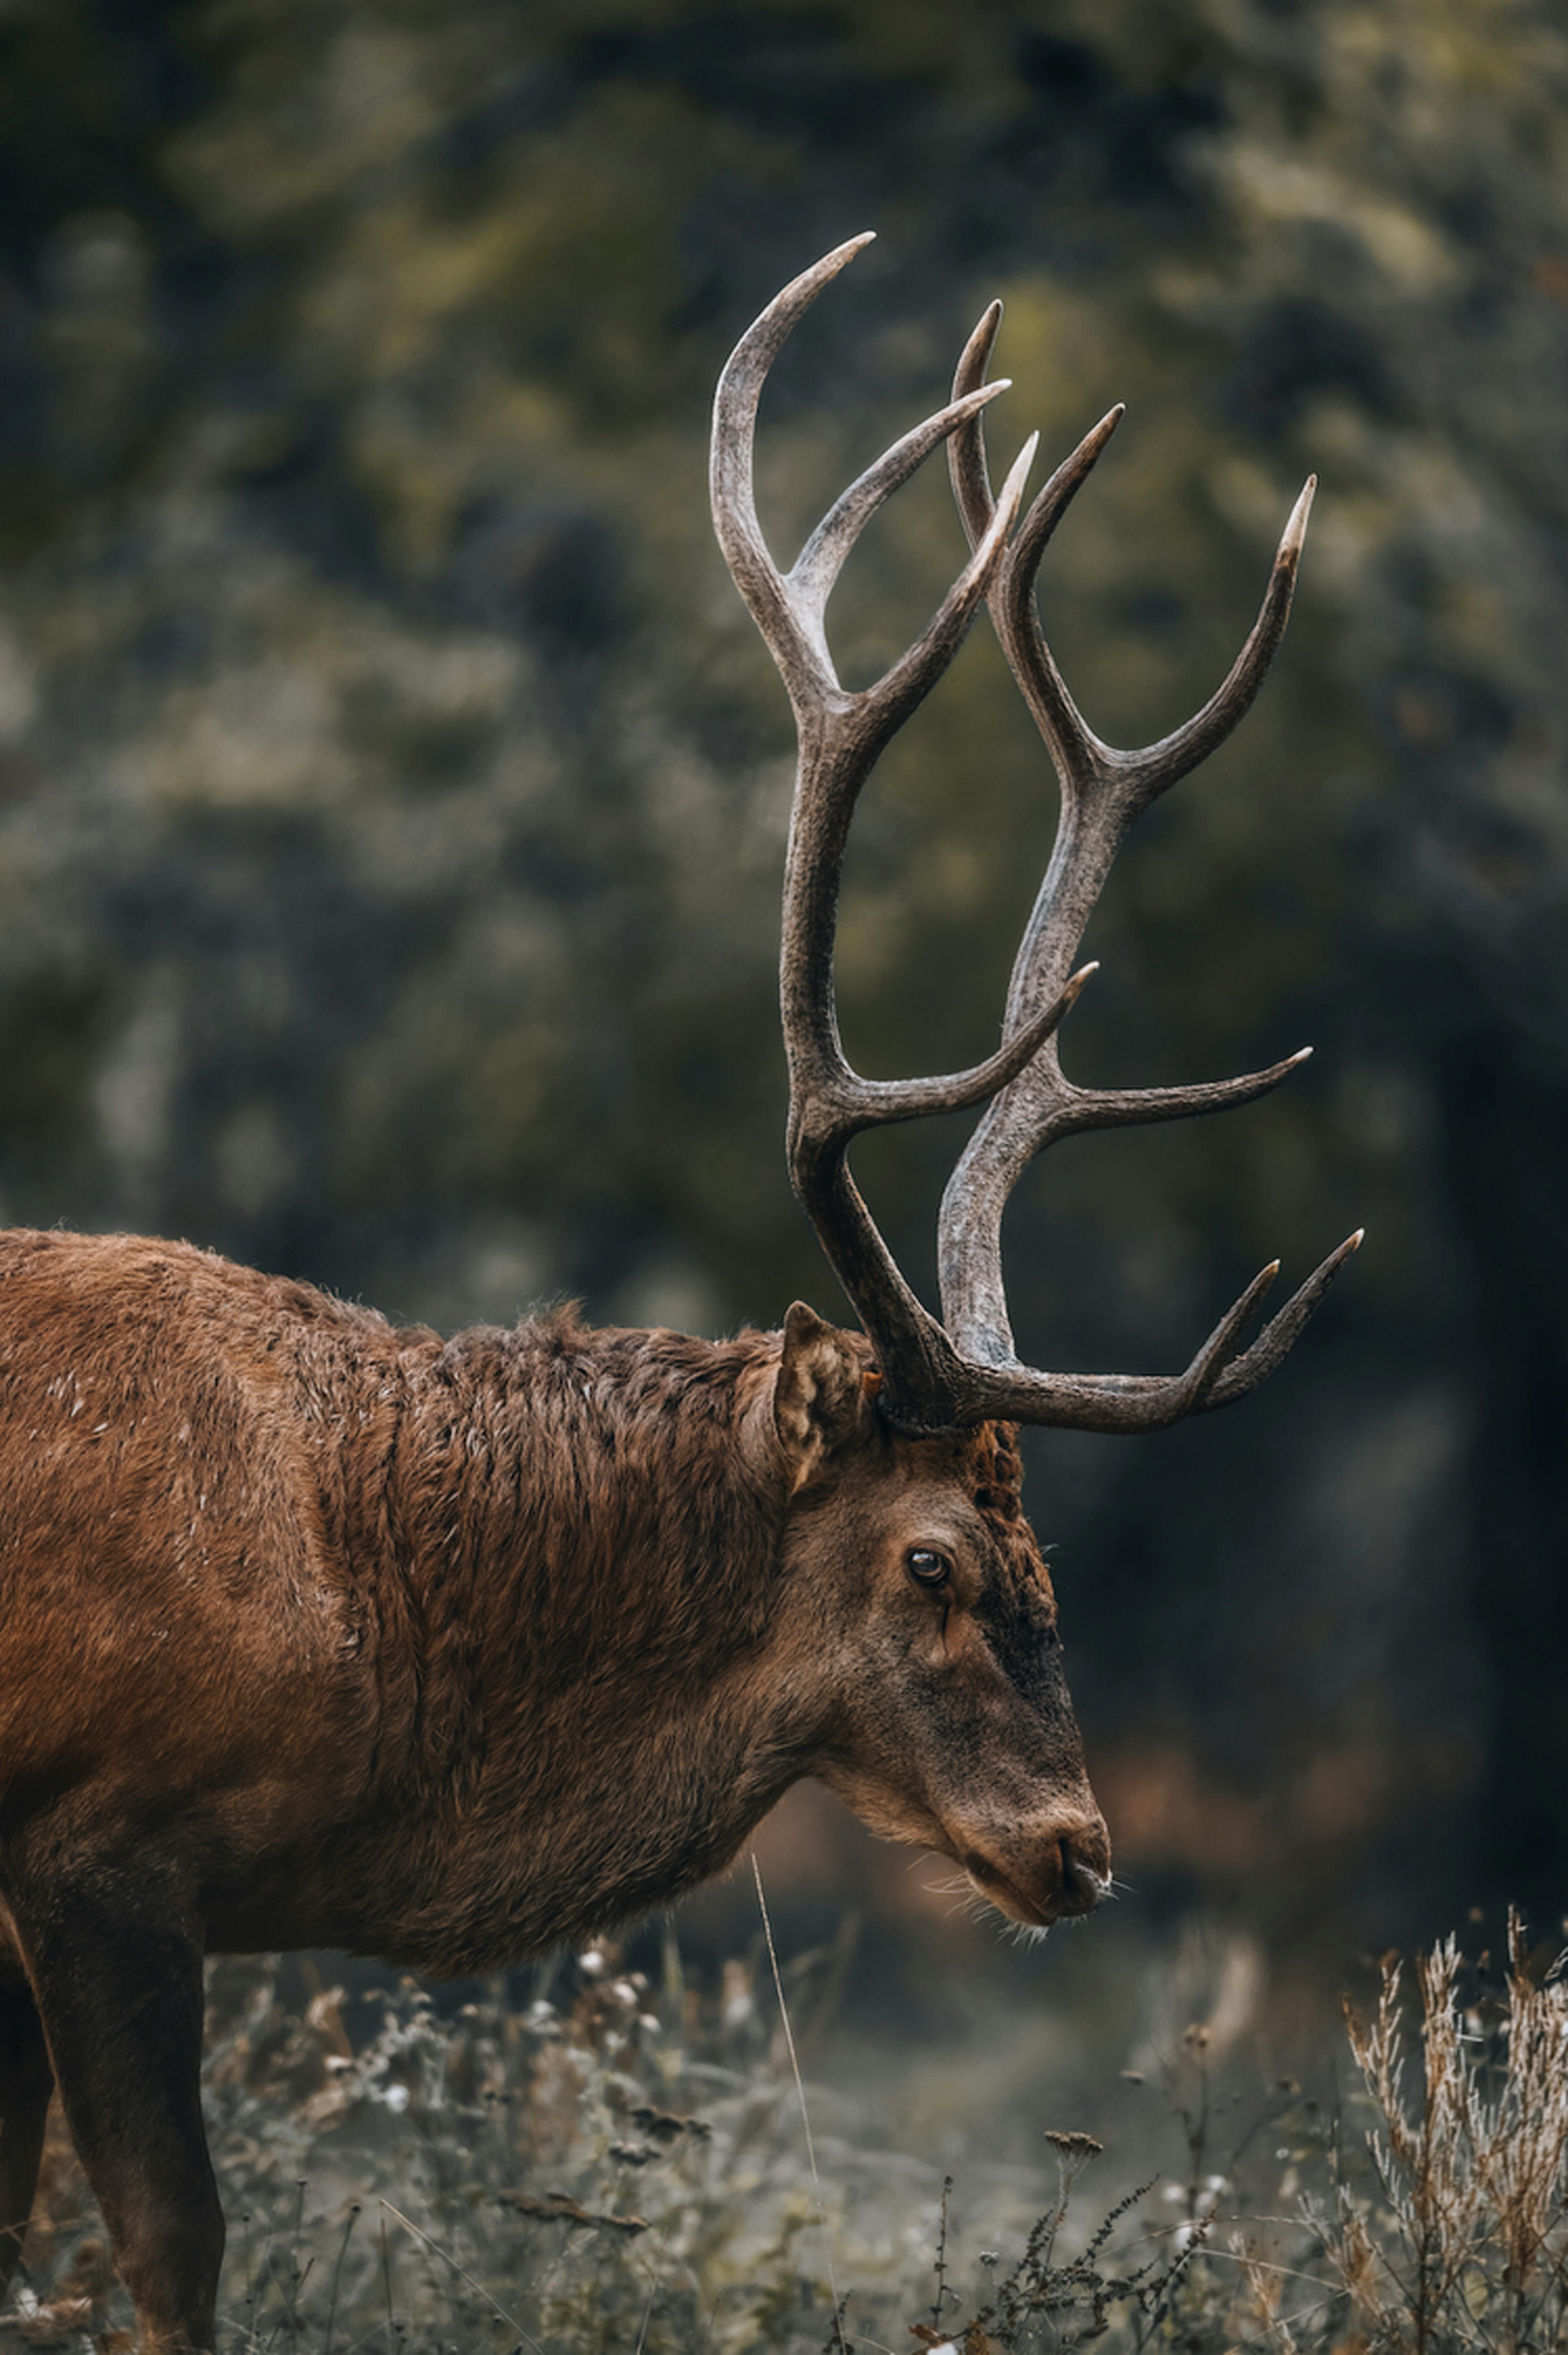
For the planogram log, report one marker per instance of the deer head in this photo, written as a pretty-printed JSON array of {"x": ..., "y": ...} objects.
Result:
[
  {"x": 922, "y": 1610},
  {"x": 901, "y": 1445}
]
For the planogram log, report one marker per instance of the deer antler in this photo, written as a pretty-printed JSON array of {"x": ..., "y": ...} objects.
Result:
[{"x": 939, "y": 1376}]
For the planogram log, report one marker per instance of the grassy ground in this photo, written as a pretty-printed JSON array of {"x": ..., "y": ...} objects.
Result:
[{"x": 622, "y": 2162}]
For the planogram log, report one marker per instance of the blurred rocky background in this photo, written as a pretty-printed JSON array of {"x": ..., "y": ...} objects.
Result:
[{"x": 392, "y": 788}]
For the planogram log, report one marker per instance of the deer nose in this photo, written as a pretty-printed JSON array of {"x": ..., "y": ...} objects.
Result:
[
  {"x": 1046, "y": 1870},
  {"x": 1082, "y": 1865}
]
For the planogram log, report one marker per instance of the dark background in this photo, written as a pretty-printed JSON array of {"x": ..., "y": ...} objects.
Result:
[{"x": 392, "y": 789}]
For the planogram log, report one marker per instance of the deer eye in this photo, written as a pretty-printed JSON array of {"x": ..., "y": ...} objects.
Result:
[{"x": 927, "y": 1569}]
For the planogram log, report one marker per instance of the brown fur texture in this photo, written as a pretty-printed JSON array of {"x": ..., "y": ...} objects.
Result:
[{"x": 318, "y": 1631}]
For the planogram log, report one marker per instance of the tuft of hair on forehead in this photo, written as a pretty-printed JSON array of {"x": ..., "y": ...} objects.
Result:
[
  {"x": 989, "y": 1465},
  {"x": 1006, "y": 1480}
]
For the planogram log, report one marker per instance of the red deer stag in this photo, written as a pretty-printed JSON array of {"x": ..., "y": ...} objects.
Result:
[{"x": 314, "y": 1630}]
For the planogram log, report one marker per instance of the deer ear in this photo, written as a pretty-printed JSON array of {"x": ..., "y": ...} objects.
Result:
[{"x": 822, "y": 1395}]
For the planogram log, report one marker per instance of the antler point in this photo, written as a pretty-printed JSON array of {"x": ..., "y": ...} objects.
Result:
[
  {"x": 840, "y": 257},
  {"x": 1095, "y": 440},
  {"x": 969, "y": 404},
  {"x": 977, "y": 353},
  {"x": 1012, "y": 491},
  {"x": 1295, "y": 529}
]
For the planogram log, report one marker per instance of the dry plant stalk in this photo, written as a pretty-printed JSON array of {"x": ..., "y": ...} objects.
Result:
[
  {"x": 1265, "y": 2296},
  {"x": 1473, "y": 2250}
]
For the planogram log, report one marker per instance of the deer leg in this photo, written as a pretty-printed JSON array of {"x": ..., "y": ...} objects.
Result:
[
  {"x": 119, "y": 1986},
  {"x": 27, "y": 2081}
]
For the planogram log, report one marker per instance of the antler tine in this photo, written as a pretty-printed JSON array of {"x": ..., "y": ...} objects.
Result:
[
  {"x": 1081, "y": 762},
  {"x": 730, "y": 468},
  {"x": 1127, "y": 1107},
  {"x": 1075, "y": 749},
  {"x": 968, "y": 469},
  {"x": 1127, "y": 1404},
  {"x": 789, "y": 608},
  {"x": 1246, "y": 1372},
  {"x": 821, "y": 561},
  {"x": 832, "y": 1115},
  {"x": 1160, "y": 766},
  {"x": 1118, "y": 1402}
]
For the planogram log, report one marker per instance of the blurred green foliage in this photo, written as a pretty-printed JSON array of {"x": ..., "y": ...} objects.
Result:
[{"x": 392, "y": 789}]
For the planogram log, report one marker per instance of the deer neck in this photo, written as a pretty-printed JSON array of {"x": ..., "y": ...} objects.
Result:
[{"x": 578, "y": 1614}]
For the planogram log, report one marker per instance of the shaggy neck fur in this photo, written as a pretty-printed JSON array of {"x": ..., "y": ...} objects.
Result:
[{"x": 567, "y": 1569}]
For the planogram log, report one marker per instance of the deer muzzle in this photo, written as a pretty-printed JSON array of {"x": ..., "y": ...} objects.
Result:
[{"x": 1062, "y": 1869}]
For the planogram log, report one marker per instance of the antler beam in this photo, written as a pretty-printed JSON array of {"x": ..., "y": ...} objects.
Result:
[{"x": 964, "y": 1371}]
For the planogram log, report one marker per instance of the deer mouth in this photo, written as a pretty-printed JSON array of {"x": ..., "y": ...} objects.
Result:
[
  {"x": 1073, "y": 1888},
  {"x": 993, "y": 1883}
]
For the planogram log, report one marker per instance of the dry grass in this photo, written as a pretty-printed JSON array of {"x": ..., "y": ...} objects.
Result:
[
  {"x": 1469, "y": 2247},
  {"x": 622, "y": 2169}
]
